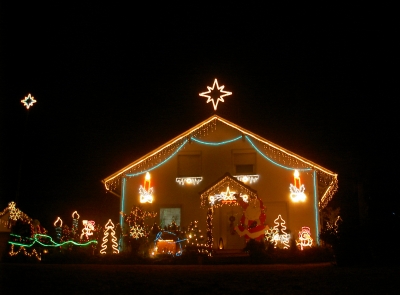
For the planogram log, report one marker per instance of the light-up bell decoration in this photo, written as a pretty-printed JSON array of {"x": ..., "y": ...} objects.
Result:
[
  {"x": 145, "y": 191},
  {"x": 28, "y": 101},
  {"x": 305, "y": 239},
  {"x": 208, "y": 94},
  {"x": 297, "y": 190}
]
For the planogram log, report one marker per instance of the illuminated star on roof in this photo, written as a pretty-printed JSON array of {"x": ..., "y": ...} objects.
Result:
[
  {"x": 209, "y": 96},
  {"x": 28, "y": 101}
]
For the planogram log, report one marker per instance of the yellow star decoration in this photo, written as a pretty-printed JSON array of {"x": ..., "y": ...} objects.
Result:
[
  {"x": 220, "y": 98},
  {"x": 228, "y": 195},
  {"x": 28, "y": 101}
]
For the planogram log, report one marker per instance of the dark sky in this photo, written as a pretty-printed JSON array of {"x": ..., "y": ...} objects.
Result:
[{"x": 112, "y": 82}]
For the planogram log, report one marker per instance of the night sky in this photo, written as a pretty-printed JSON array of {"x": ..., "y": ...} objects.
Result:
[{"x": 114, "y": 81}]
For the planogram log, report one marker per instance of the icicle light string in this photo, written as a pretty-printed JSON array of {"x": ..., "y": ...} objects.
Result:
[{"x": 271, "y": 153}]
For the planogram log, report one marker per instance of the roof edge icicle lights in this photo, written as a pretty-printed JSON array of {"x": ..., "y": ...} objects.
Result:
[{"x": 161, "y": 155}]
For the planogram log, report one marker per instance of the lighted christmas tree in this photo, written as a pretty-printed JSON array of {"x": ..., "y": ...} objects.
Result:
[
  {"x": 23, "y": 230},
  {"x": 281, "y": 238},
  {"x": 195, "y": 240},
  {"x": 109, "y": 238},
  {"x": 173, "y": 226},
  {"x": 193, "y": 235},
  {"x": 138, "y": 230},
  {"x": 136, "y": 221},
  {"x": 66, "y": 233}
]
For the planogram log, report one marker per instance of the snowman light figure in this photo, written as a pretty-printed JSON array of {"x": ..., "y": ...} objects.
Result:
[{"x": 305, "y": 239}]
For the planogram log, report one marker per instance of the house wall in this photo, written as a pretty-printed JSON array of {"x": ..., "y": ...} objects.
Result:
[{"x": 272, "y": 186}]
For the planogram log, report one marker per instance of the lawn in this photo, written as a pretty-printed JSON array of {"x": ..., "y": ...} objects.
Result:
[{"x": 318, "y": 278}]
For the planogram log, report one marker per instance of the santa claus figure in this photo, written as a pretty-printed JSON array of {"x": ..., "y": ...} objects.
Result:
[{"x": 252, "y": 222}]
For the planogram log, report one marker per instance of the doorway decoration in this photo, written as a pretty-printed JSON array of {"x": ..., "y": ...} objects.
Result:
[{"x": 224, "y": 187}]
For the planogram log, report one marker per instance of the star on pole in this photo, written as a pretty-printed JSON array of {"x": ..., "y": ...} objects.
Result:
[
  {"x": 220, "y": 98},
  {"x": 28, "y": 101}
]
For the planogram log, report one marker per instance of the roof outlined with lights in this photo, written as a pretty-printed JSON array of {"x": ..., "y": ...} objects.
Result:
[{"x": 327, "y": 180}]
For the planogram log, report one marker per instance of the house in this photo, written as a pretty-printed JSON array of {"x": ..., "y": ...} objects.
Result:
[{"x": 211, "y": 172}]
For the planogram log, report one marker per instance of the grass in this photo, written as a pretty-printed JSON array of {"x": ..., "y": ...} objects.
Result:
[{"x": 315, "y": 278}]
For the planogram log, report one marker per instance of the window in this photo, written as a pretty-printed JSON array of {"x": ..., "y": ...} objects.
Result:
[
  {"x": 189, "y": 164},
  {"x": 244, "y": 162},
  {"x": 167, "y": 215},
  {"x": 244, "y": 169}
]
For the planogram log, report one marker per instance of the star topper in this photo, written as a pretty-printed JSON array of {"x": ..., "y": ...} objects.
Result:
[
  {"x": 220, "y": 98},
  {"x": 28, "y": 101}
]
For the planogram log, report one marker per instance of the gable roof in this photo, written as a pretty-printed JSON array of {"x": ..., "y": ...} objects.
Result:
[{"x": 327, "y": 180}]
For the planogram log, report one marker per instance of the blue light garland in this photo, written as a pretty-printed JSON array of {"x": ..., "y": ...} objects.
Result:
[
  {"x": 273, "y": 162},
  {"x": 158, "y": 165},
  {"x": 215, "y": 143}
]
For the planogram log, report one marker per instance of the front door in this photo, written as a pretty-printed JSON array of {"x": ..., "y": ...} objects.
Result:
[{"x": 225, "y": 219}]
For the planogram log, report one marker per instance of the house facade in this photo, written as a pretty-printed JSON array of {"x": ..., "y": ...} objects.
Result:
[{"x": 213, "y": 172}]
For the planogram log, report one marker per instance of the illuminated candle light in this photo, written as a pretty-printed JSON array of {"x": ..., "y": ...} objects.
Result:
[
  {"x": 146, "y": 191},
  {"x": 297, "y": 189},
  {"x": 147, "y": 181},
  {"x": 75, "y": 220},
  {"x": 297, "y": 182},
  {"x": 58, "y": 228}
]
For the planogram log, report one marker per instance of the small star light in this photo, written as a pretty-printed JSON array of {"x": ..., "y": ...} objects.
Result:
[
  {"x": 28, "y": 101},
  {"x": 220, "y": 98}
]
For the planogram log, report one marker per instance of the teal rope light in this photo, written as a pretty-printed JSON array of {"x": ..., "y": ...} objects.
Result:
[
  {"x": 54, "y": 244},
  {"x": 316, "y": 206},
  {"x": 158, "y": 165},
  {"x": 272, "y": 161},
  {"x": 121, "y": 218},
  {"x": 215, "y": 143}
]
